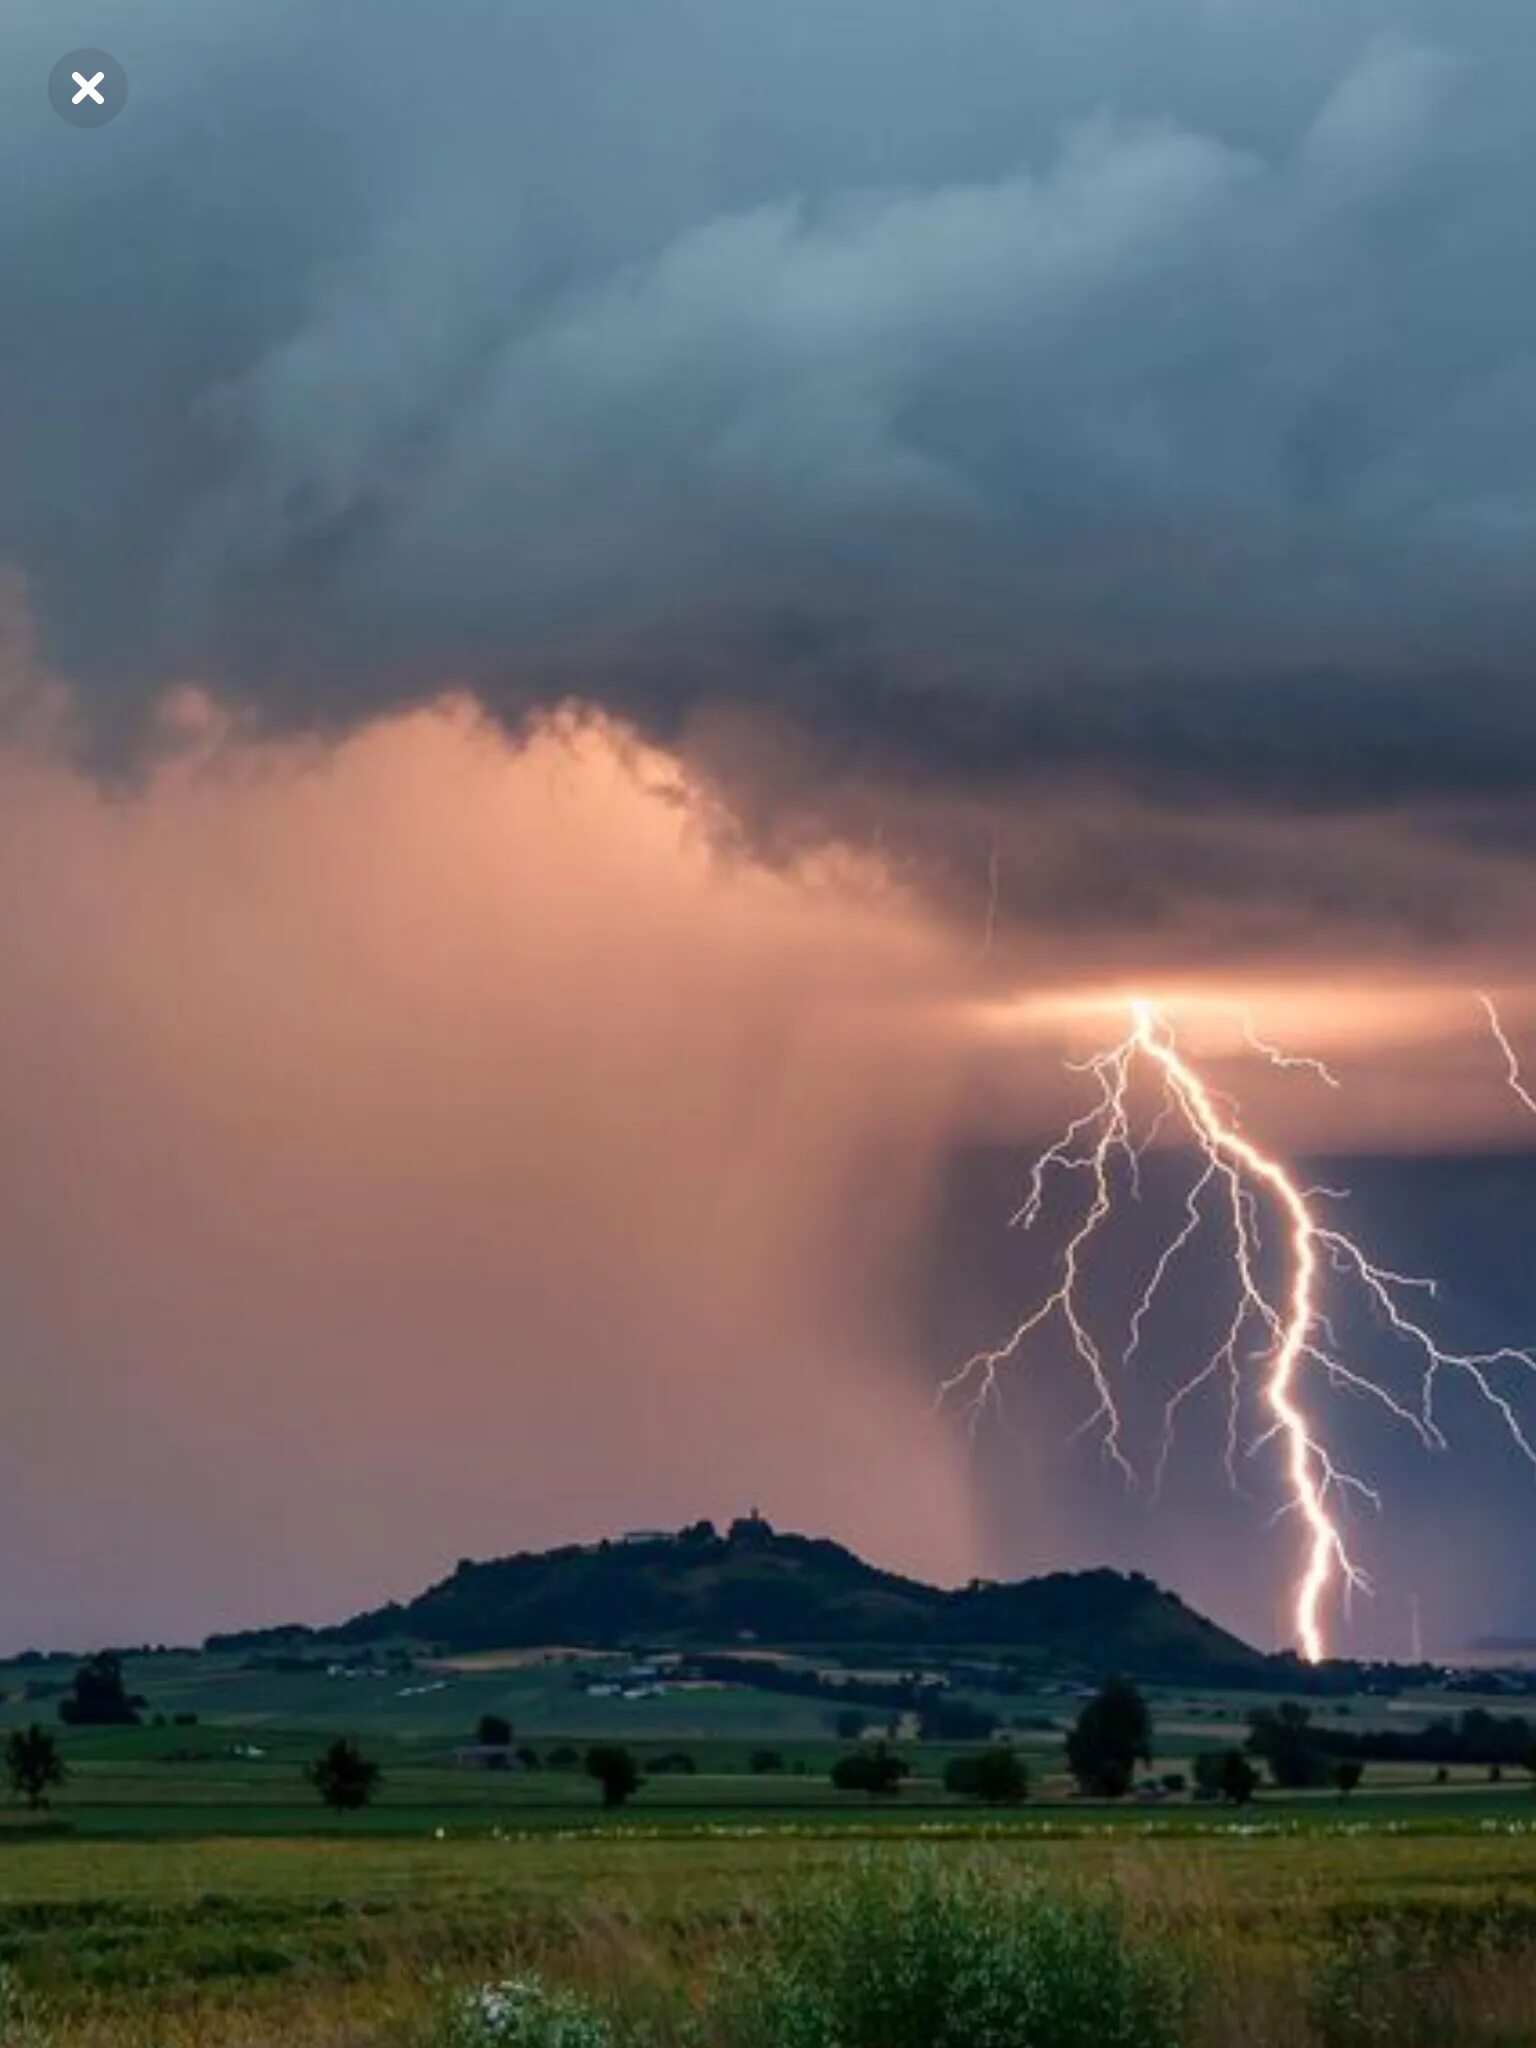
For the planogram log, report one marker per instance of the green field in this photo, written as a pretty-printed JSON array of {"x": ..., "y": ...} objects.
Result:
[
  {"x": 325, "y": 1939},
  {"x": 188, "y": 1891}
]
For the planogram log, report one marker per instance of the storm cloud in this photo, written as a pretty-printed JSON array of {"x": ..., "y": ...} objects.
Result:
[
  {"x": 1051, "y": 488},
  {"x": 1131, "y": 411}
]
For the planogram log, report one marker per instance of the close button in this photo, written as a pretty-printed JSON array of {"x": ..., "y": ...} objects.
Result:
[{"x": 88, "y": 88}]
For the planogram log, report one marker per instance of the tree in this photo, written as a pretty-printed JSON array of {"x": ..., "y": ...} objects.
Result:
[
  {"x": 1112, "y": 1735},
  {"x": 564, "y": 1758},
  {"x": 345, "y": 1779},
  {"x": 33, "y": 1765},
  {"x": 764, "y": 1761},
  {"x": 1207, "y": 1769},
  {"x": 1239, "y": 1780},
  {"x": 1283, "y": 1738},
  {"x": 1347, "y": 1773},
  {"x": 494, "y": 1732},
  {"x": 98, "y": 1698},
  {"x": 848, "y": 1723},
  {"x": 1225, "y": 1774},
  {"x": 875, "y": 1771},
  {"x": 617, "y": 1773},
  {"x": 998, "y": 1776}
]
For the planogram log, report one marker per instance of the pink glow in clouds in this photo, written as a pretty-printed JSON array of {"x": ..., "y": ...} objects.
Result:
[{"x": 423, "y": 1148}]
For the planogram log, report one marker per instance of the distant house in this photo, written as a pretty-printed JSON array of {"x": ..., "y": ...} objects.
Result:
[
  {"x": 647, "y": 1536},
  {"x": 487, "y": 1756}
]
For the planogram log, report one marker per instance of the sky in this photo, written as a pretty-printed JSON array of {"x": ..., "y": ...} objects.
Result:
[{"x": 618, "y": 618}]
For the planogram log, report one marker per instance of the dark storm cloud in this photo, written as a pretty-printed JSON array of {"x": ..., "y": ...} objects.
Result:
[{"x": 995, "y": 395}]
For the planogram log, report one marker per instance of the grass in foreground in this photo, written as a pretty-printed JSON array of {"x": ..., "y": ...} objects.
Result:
[{"x": 1272, "y": 1940}]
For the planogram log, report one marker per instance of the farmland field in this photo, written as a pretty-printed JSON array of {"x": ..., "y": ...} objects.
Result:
[
  {"x": 348, "y": 1938},
  {"x": 186, "y": 1890}
]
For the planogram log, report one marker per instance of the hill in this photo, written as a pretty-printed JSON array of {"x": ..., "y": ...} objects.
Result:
[{"x": 702, "y": 1589}]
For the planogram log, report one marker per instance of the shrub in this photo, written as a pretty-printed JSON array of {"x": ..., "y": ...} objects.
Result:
[
  {"x": 919, "y": 1955},
  {"x": 997, "y": 1775},
  {"x": 522, "y": 2012},
  {"x": 874, "y": 1771},
  {"x": 1225, "y": 1774},
  {"x": 21, "y": 2022}
]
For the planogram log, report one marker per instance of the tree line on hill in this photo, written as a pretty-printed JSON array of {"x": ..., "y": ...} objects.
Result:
[{"x": 1300, "y": 1753}]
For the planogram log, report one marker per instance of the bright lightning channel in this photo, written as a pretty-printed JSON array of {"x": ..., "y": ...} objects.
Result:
[
  {"x": 1514, "y": 1074},
  {"x": 1290, "y": 1319}
]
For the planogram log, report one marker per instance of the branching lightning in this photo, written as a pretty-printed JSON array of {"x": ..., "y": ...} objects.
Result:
[{"x": 1280, "y": 1341}]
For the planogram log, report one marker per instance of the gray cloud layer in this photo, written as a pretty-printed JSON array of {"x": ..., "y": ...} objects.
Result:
[{"x": 997, "y": 392}]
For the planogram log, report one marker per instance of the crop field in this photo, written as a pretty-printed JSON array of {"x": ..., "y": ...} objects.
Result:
[
  {"x": 355, "y": 1938},
  {"x": 187, "y": 1890}
]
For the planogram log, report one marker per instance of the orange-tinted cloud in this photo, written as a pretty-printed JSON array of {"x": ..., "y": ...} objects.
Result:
[
  {"x": 423, "y": 1148},
  {"x": 418, "y": 1145}
]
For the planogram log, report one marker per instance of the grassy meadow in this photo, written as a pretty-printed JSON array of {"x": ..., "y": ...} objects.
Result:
[{"x": 187, "y": 1890}]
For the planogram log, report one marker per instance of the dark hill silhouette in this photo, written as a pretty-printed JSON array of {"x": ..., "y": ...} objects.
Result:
[{"x": 701, "y": 1589}]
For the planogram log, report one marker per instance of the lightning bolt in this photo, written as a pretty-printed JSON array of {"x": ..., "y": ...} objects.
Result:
[
  {"x": 1513, "y": 1072},
  {"x": 1237, "y": 1187}
]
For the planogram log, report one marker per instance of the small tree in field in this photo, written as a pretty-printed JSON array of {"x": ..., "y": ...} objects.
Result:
[
  {"x": 33, "y": 1765},
  {"x": 344, "y": 1778},
  {"x": 617, "y": 1773},
  {"x": 1239, "y": 1780},
  {"x": 98, "y": 1696},
  {"x": 875, "y": 1771},
  {"x": 1225, "y": 1774},
  {"x": 1347, "y": 1773},
  {"x": 1112, "y": 1735},
  {"x": 1284, "y": 1739},
  {"x": 997, "y": 1775}
]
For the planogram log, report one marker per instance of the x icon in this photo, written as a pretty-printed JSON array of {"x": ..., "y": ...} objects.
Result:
[{"x": 88, "y": 89}]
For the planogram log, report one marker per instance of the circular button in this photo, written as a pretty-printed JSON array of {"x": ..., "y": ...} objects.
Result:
[{"x": 88, "y": 88}]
